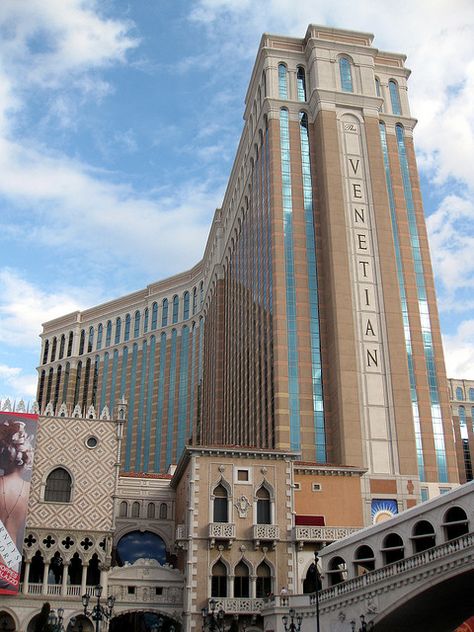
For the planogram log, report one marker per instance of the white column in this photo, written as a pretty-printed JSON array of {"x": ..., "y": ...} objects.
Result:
[
  {"x": 44, "y": 590},
  {"x": 26, "y": 577}
]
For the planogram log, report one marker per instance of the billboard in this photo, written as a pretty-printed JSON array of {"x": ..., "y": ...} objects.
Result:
[{"x": 17, "y": 441}]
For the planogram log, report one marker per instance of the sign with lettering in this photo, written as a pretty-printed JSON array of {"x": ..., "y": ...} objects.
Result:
[{"x": 17, "y": 439}]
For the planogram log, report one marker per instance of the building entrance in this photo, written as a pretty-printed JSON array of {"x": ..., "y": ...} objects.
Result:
[{"x": 142, "y": 621}]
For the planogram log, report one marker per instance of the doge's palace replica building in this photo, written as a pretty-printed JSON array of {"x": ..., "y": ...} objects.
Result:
[{"x": 291, "y": 386}]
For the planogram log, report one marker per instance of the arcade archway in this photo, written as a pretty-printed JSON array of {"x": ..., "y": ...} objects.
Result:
[{"x": 143, "y": 621}]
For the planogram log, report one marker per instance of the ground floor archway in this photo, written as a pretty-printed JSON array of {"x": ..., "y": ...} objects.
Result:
[{"x": 143, "y": 621}]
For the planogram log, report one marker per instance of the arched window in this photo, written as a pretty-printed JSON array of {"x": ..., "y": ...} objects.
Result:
[
  {"x": 364, "y": 560},
  {"x": 301, "y": 83},
  {"x": 241, "y": 580},
  {"x": 264, "y": 509},
  {"x": 459, "y": 394},
  {"x": 87, "y": 373},
  {"x": 45, "y": 351},
  {"x": 264, "y": 581},
  {"x": 100, "y": 331},
  {"x": 140, "y": 544},
  {"x": 221, "y": 511},
  {"x": 90, "y": 341},
  {"x": 312, "y": 581},
  {"x": 345, "y": 72},
  {"x": 58, "y": 383},
  {"x": 118, "y": 330},
  {"x": 164, "y": 313},
  {"x": 394, "y": 97},
  {"x": 154, "y": 316},
  {"x": 175, "y": 308},
  {"x": 69, "y": 344},
  {"x": 145, "y": 320},
  {"x": 136, "y": 510},
  {"x": 471, "y": 394},
  {"x": 186, "y": 306},
  {"x": 337, "y": 571},
  {"x": 282, "y": 81},
  {"x": 194, "y": 300},
  {"x": 136, "y": 324},
  {"x": 163, "y": 511},
  {"x": 82, "y": 341},
  {"x": 49, "y": 385},
  {"x": 66, "y": 381},
  {"x": 78, "y": 383},
  {"x": 150, "y": 511},
  {"x": 108, "y": 334},
  {"x": 423, "y": 536},
  {"x": 392, "y": 549},
  {"x": 219, "y": 580},
  {"x": 123, "y": 509},
  {"x": 455, "y": 523},
  {"x": 53, "y": 349},
  {"x": 201, "y": 294},
  {"x": 58, "y": 486},
  {"x": 41, "y": 389},
  {"x": 127, "y": 328}
]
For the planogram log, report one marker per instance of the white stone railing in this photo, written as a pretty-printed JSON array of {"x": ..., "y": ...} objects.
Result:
[
  {"x": 402, "y": 566},
  {"x": 266, "y": 532},
  {"x": 232, "y": 605},
  {"x": 322, "y": 534},
  {"x": 222, "y": 530}
]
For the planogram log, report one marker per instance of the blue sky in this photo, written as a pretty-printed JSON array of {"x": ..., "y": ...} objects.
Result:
[{"x": 118, "y": 126}]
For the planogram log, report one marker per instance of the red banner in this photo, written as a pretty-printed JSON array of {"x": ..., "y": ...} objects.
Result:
[{"x": 17, "y": 441}]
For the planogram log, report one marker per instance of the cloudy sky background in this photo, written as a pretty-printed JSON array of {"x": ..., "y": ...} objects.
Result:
[{"x": 118, "y": 126}]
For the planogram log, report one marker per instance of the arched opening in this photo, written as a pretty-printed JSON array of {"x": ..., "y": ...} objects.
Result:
[
  {"x": 455, "y": 523},
  {"x": 219, "y": 580},
  {"x": 75, "y": 570},
  {"x": 56, "y": 567},
  {"x": 150, "y": 511},
  {"x": 312, "y": 581},
  {"x": 264, "y": 580},
  {"x": 337, "y": 571},
  {"x": 241, "y": 580},
  {"x": 364, "y": 560},
  {"x": 136, "y": 510},
  {"x": 93, "y": 571},
  {"x": 393, "y": 548},
  {"x": 80, "y": 624},
  {"x": 141, "y": 545},
  {"x": 221, "y": 513},
  {"x": 58, "y": 486},
  {"x": 264, "y": 509},
  {"x": 423, "y": 536},
  {"x": 143, "y": 622},
  {"x": 163, "y": 511},
  {"x": 37, "y": 569},
  {"x": 7, "y": 623},
  {"x": 123, "y": 509}
]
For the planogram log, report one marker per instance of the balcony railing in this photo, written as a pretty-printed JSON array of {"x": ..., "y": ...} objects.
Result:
[
  {"x": 221, "y": 531},
  {"x": 72, "y": 590},
  {"x": 236, "y": 605},
  {"x": 266, "y": 532},
  {"x": 322, "y": 534}
]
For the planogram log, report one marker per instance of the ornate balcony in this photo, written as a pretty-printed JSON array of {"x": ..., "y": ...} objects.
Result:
[
  {"x": 181, "y": 536},
  {"x": 265, "y": 533},
  {"x": 239, "y": 605},
  {"x": 304, "y": 534},
  {"x": 221, "y": 531}
]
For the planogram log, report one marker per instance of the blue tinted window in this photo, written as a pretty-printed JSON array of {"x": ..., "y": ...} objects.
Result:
[
  {"x": 108, "y": 334},
  {"x": 282, "y": 81},
  {"x": 90, "y": 342},
  {"x": 301, "y": 84},
  {"x": 145, "y": 321},
  {"x": 186, "y": 306},
  {"x": 194, "y": 300},
  {"x": 127, "y": 327},
  {"x": 459, "y": 394},
  {"x": 82, "y": 342},
  {"x": 346, "y": 74},
  {"x": 394, "y": 97},
  {"x": 154, "y": 316},
  {"x": 164, "y": 313},
  {"x": 136, "y": 326},
  {"x": 175, "y": 308},
  {"x": 118, "y": 330},
  {"x": 471, "y": 394},
  {"x": 100, "y": 330},
  {"x": 201, "y": 294}
]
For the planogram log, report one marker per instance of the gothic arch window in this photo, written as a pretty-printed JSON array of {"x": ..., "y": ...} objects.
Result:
[
  {"x": 164, "y": 313},
  {"x": 118, "y": 330},
  {"x": 127, "y": 328},
  {"x": 301, "y": 83},
  {"x": 186, "y": 306},
  {"x": 136, "y": 510},
  {"x": 345, "y": 72},
  {"x": 136, "y": 324},
  {"x": 108, "y": 333},
  {"x": 219, "y": 580},
  {"x": 394, "y": 97},
  {"x": 100, "y": 331},
  {"x": 264, "y": 507},
  {"x": 221, "y": 504},
  {"x": 150, "y": 511},
  {"x": 69, "y": 344},
  {"x": 82, "y": 341},
  {"x": 175, "y": 308},
  {"x": 58, "y": 486},
  {"x": 163, "y": 511},
  {"x": 53, "y": 349},
  {"x": 264, "y": 581},
  {"x": 241, "y": 580},
  {"x": 282, "y": 81},
  {"x": 123, "y": 509},
  {"x": 45, "y": 351}
]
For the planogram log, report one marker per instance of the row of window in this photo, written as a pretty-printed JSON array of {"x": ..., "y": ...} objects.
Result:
[
  {"x": 346, "y": 81},
  {"x": 460, "y": 394},
  {"x": 221, "y": 587},
  {"x": 221, "y": 505},
  {"x": 91, "y": 339},
  {"x": 137, "y": 511},
  {"x": 423, "y": 537}
]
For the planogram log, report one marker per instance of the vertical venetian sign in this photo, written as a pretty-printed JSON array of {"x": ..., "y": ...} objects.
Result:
[{"x": 17, "y": 440}]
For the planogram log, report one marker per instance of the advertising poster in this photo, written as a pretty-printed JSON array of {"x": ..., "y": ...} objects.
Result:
[{"x": 17, "y": 441}]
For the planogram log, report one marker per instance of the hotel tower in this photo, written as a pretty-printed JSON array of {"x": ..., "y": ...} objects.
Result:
[{"x": 310, "y": 325}]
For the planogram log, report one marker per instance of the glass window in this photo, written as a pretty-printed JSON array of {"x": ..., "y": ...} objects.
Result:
[
  {"x": 163, "y": 511},
  {"x": 145, "y": 320},
  {"x": 175, "y": 308},
  {"x": 164, "y": 313},
  {"x": 58, "y": 486},
  {"x": 459, "y": 394},
  {"x": 219, "y": 580},
  {"x": 136, "y": 510},
  {"x": 201, "y": 294},
  {"x": 346, "y": 74},
  {"x": 136, "y": 325},
  {"x": 394, "y": 97},
  {"x": 150, "y": 510},
  {"x": 90, "y": 341},
  {"x": 69, "y": 344},
  {"x": 263, "y": 506},
  {"x": 154, "y": 316},
  {"x": 45, "y": 351},
  {"x": 220, "y": 504},
  {"x": 82, "y": 341},
  {"x": 100, "y": 330},
  {"x": 282, "y": 81},
  {"x": 123, "y": 509},
  {"x": 241, "y": 580},
  {"x": 53, "y": 349},
  {"x": 471, "y": 394},
  {"x": 301, "y": 83},
  {"x": 127, "y": 328},
  {"x": 194, "y": 300},
  {"x": 108, "y": 333},
  {"x": 118, "y": 329},
  {"x": 186, "y": 306},
  {"x": 264, "y": 581}
]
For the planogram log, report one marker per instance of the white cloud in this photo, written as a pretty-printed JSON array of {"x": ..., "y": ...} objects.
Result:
[
  {"x": 459, "y": 351},
  {"x": 19, "y": 384}
]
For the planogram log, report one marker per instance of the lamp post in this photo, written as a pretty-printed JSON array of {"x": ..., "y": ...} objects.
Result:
[
  {"x": 365, "y": 626},
  {"x": 210, "y": 619},
  {"x": 55, "y": 621},
  {"x": 289, "y": 621},
  {"x": 98, "y": 612}
]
